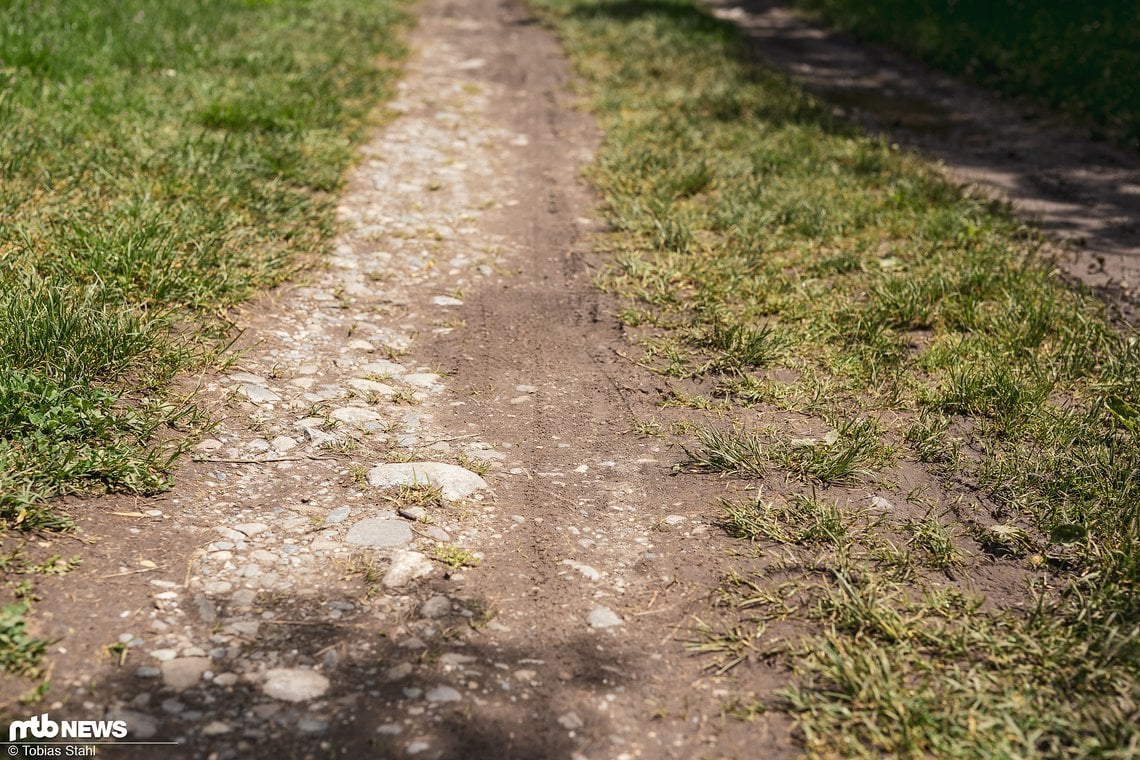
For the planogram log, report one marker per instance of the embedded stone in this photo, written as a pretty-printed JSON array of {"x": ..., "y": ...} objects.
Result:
[
  {"x": 453, "y": 481},
  {"x": 376, "y": 532},
  {"x": 603, "y": 617},
  {"x": 407, "y": 567},
  {"x": 183, "y": 672},
  {"x": 294, "y": 684},
  {"x": 355, "y": 414}
]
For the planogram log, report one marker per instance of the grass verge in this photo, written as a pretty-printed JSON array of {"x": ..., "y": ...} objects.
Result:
[
  {"x": 806, "y": 271},
  {"x": 160, "y": 161}
]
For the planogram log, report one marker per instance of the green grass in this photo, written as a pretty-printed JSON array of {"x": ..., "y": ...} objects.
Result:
[
  {"x": 1078, "y": 57},
  {"x": 802, "y": 520},
  {"x": 160, "y": 161},
  {"x": 752, "y": 232},
  {"x": 848, "y": 453},
  {"x": 455, "y": 557},
  {"x": 20, "y": 653}
]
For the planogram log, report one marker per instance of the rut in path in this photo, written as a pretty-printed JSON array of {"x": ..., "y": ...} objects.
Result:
[{"x": 283, "y": 601}]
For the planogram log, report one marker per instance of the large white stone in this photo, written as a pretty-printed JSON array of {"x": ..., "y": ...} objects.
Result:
[
  {"x": 453, "y": 482},
  {"x": 259, "y": 394},
  {"x": 294, "y": 684},
  {"x": 364, "y": 385},
  {"x": 407, "y": 567},
  {"x": 355, "y": 414}
]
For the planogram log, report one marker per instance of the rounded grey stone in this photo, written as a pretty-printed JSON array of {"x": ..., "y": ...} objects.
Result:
[
  {"x": 337, "y": 515},
  {"x": 183, "y": 672},
  {"x": 436, "y": 533},
  {"x": 376, "y": 532},
  {"x": 443, "y": 694},
  {"x": 413, "y": 513},
  {"x": 436, "y": 607},
  {"x": 294, "y": 685}
]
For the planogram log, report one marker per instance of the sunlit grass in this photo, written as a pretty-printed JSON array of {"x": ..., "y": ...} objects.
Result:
[{"x": 158, "y": 161}]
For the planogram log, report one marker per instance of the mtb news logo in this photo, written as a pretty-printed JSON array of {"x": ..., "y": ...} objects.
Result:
[{"x": 43, "y": 727}]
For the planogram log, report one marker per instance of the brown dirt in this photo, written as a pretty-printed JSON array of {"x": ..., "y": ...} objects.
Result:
[{"x": 1080, "y": 190}]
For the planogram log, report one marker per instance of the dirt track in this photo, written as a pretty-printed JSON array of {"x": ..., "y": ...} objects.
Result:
[
  {"x": 1083, "y": 191},
  {"x": 256, "y": 603}
]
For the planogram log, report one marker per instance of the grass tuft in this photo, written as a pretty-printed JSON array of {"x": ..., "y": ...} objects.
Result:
[{"x": 728, "y": 451}]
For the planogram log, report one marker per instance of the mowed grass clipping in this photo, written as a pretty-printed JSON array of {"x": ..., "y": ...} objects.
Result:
[
  {"x": 1077, "y": 57},
  {"x": 158, "y": 161},
  {"x": 753, "y": 232}
]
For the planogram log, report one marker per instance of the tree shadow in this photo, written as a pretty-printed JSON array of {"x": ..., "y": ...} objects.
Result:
[
  {"x": 380, "y": 702},
  {"x": 1080, "y": 189}
]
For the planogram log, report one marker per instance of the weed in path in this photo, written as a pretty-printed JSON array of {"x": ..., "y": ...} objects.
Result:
[
  {"x": 801, "y": 520},
  {"x": 454, "y": 556},
  {"x": 933, "y": 542},
  {"x": 20, "y": 653},
  {"x": 728, "y": 451},
  {"x": 850, "y": 451}
]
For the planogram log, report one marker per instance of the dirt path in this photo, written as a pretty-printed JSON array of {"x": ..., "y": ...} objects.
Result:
[
  {"x": 284, "y": 601},
  {"x": 287, "y": 600},
  {"x": 1076, "y": 189}
]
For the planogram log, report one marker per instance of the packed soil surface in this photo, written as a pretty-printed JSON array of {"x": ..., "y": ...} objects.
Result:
[
  {"x": 425, "y": 523},
  {"x": 1077, "y": 189}
]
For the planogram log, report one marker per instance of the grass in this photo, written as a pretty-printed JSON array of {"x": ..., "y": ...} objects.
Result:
[
  {"x": 729, "y": 451},
  {"x": 802, "y": 520},
  {"x": 419, "y": 495},
  {"x": 756, "y": 237},
  {"x": 161, "y": 161},
  {"x": 845, "y": 454},
  {"x": 934, "y": 542},
  {"x": 1076, "y": 57},
  {"x": 455, "y": 557},
  {"x": 20, "y": 653}
]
